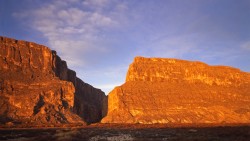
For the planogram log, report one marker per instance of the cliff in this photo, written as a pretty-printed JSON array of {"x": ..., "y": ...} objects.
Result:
[
  {"x": 161, "y": 90},
  {"x": 37, "y": 88}
]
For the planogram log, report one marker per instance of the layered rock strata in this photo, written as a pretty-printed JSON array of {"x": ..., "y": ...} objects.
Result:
[
  {"x": 161, "y": 90},
  {"x": 36, "y": 87}
]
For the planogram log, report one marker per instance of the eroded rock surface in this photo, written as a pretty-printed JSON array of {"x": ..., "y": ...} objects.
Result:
[
  {"x": 161, "y": 90},
  {"x": 36, "y": 87}
]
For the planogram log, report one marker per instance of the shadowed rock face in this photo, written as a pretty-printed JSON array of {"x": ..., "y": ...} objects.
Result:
[
  {"x": 177, "y": 91},
  {"x": 37, "y": 87}
]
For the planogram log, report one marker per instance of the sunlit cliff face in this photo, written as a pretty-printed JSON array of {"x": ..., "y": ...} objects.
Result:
[
  {"x": 159, "y": 90},
  {"x": 38, "y": 89},
  {"x": 179, "y": 70}
]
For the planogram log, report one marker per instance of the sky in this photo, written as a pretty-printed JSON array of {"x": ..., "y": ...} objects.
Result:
[{"x": 100, "y": 38}]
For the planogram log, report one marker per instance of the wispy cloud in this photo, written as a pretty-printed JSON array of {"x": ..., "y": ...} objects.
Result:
[
  {"x": 74, "y": 29},
  {"x": 246, "y": 45},
  {"x": 174, "y": 47},
  {"x": 96, "y": 3}
]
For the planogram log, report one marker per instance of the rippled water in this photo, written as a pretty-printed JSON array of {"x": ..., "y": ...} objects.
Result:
[{"x": 121, "y": 134}]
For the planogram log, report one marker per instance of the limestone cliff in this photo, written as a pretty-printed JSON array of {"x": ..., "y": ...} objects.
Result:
[
  {"x": 36, "y": 87},
  {"x": 161, "y": 90}
]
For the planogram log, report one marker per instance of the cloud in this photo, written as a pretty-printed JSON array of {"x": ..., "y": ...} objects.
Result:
[
  {"x": 170, "y": 47},
  {"x": 96, "y": 3},
  {"x": 73, "y": 29},
  {"x": 246, "y": 45}
]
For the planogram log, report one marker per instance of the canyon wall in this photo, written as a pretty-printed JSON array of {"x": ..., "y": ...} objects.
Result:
[
  {"x": 36, "y": 87},
  {"x": 161, "y": 90}
]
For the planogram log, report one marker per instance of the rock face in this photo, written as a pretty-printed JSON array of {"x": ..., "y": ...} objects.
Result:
[
  {"x": 176, "y": 91},
  {"x": 36, "y": 87}
]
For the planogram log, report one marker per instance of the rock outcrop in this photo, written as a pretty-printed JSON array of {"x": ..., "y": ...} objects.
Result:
[
  {"x": 37, "y": 88},
  {"x": 161, "y": 90}
]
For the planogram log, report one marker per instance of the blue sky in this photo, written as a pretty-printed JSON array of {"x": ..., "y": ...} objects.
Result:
[{"x": 100, "y": 38}]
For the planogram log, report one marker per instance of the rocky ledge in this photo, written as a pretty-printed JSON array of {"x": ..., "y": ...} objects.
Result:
[
  {"x": 37, "y": 88},
  {"x": 159, "y": 90}
]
